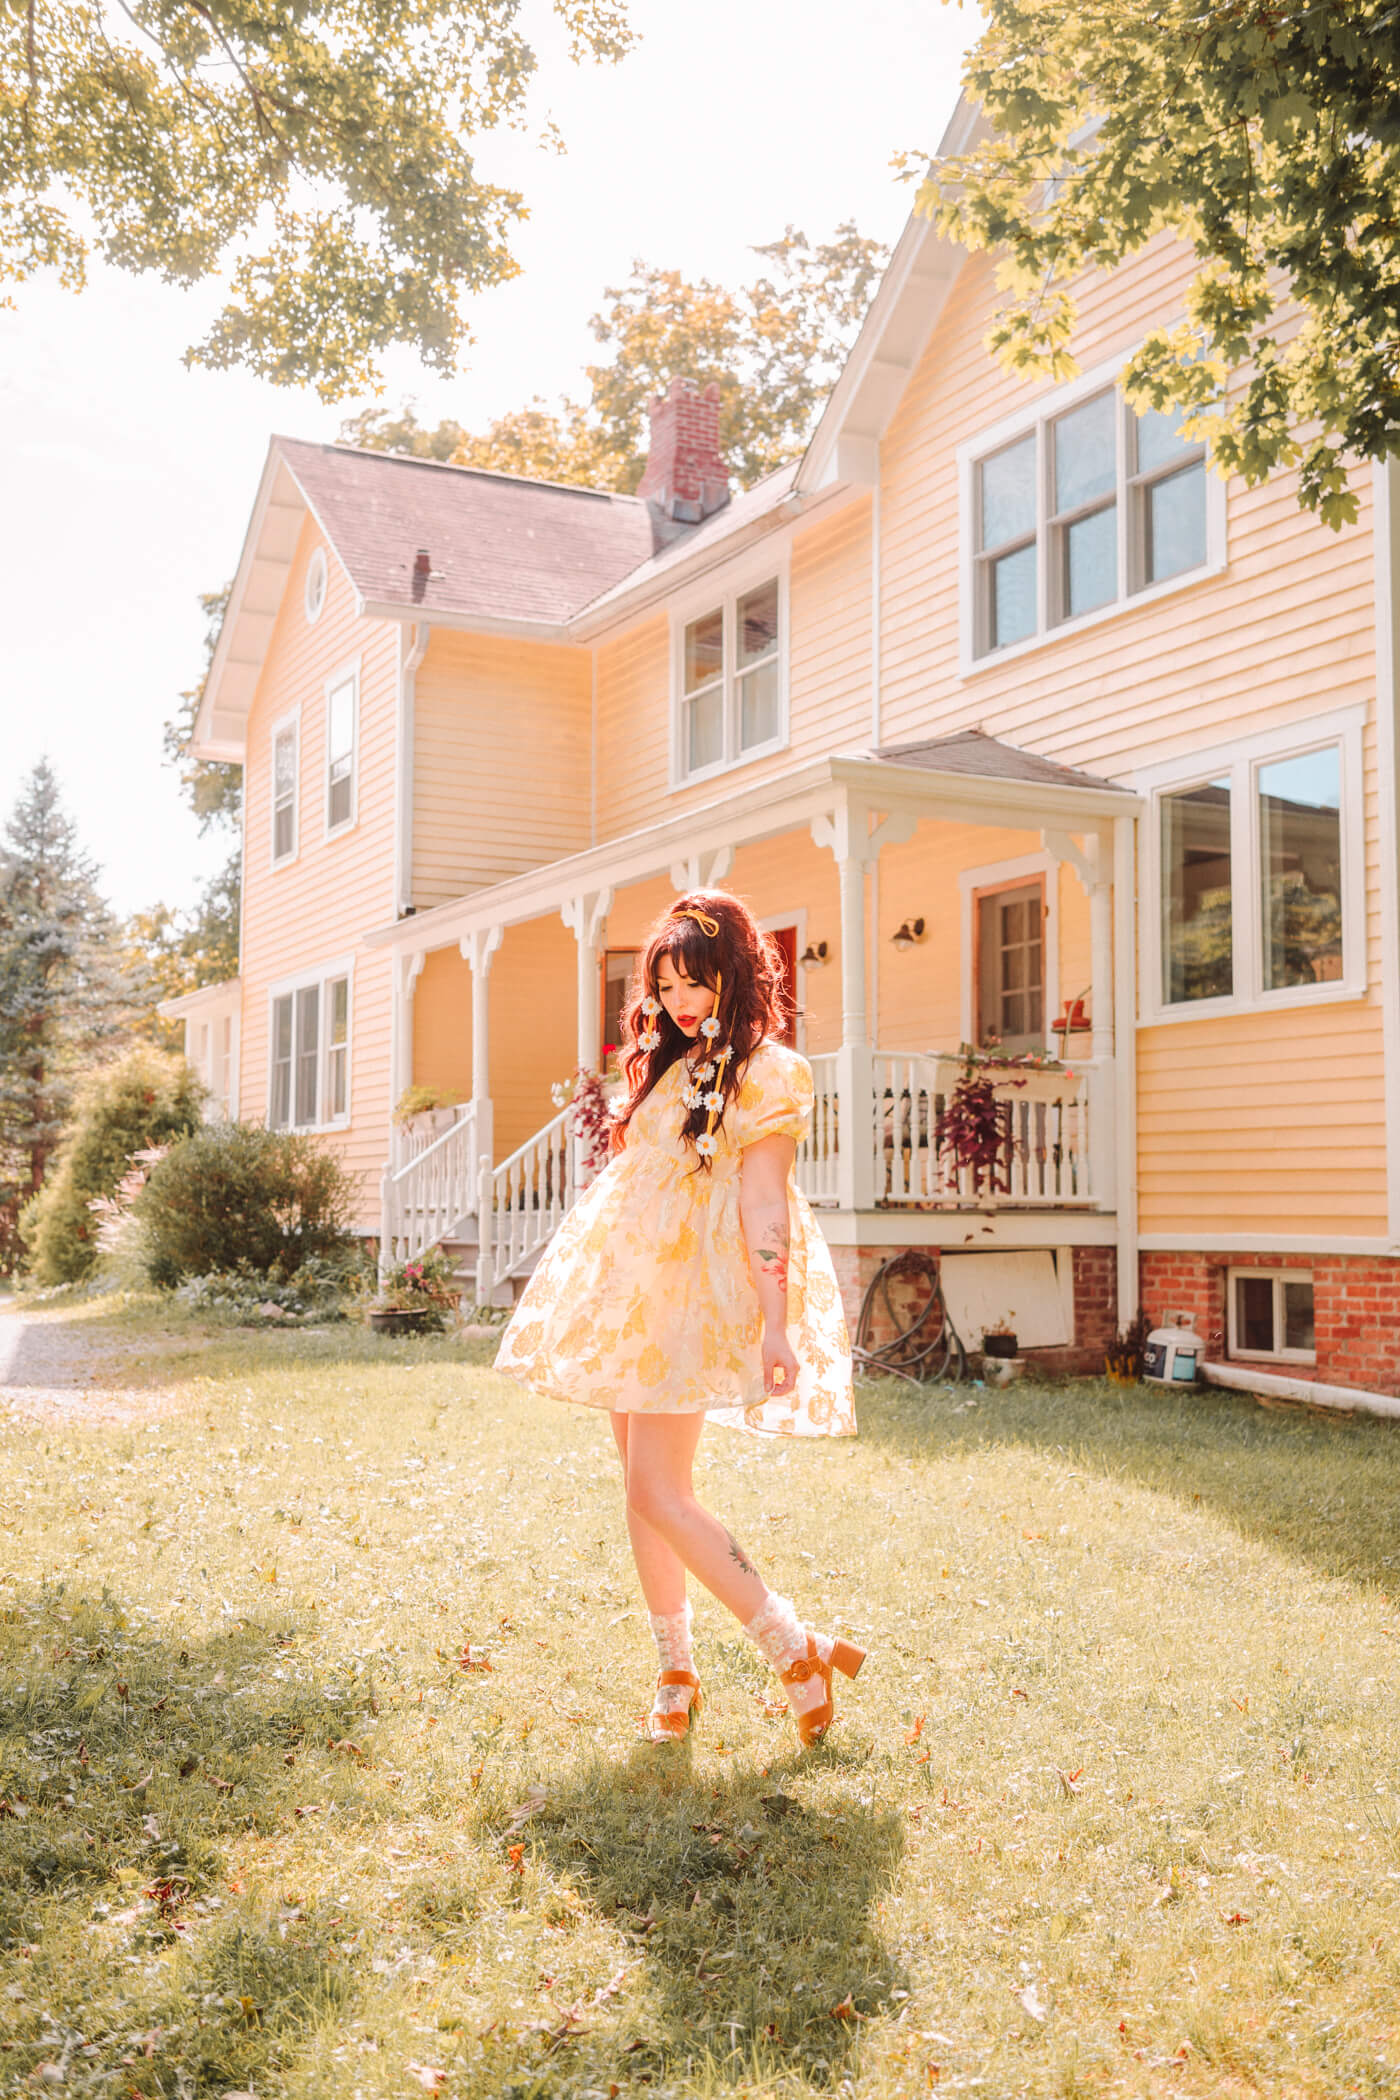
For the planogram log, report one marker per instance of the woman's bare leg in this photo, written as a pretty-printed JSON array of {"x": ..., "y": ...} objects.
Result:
[
  {"x": 661, "y": 1504},
  {"x": 660, "y": 1569}
]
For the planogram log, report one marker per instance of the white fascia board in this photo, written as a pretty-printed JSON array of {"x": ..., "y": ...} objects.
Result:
[
  {"x": 208, "y": 996},
  {"x": 556, "y": 631},
  {"x": 223, "y": 647}
]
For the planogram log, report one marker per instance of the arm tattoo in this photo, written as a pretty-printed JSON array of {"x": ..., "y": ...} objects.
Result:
[
  {"x": 772, "y": 1257},
  {"x": 736, "y": 1553}
]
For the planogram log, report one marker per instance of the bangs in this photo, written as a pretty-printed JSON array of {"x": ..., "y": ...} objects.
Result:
[{"x": 691, "y": 950}]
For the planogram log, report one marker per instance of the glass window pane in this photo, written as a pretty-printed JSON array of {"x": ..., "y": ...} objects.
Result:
[
  {"x": 308, "y": 1043},
  {"x": 340, "y": 733},
  {"x": 704, "y": 650},
  {"x": 1008, "y": 493},
  {"x": 340, "y": 806},
  {"x": 1176, "y": 523},
  {"x": 1159, "y": 438},
  {"x": 758, "y": 705},
  {"x": 284, "y": 764},
  {"x": 705, "y": 730},
  {"x": 1086, "y": 453},
  {"x": 758, "y": 624},
  {"x": 1197, "y": 945},
  {"x": 1091, "y": 561},
  {"x": 1298, "y": 1316},
  {"x": 335, "y": 1083},
  {"x": 281, "y": 1103},
  {"x": 1254, "y": 1313},
  {"x": 1300, "y": 839},
  {"x": 1012, "y": 607},
  {"x": 338, "y": 994}
]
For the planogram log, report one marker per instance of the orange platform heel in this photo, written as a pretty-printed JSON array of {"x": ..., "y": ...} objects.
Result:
[
  {"x": 845, "y": 1656},
  {"x": 665, "y": 1727}
]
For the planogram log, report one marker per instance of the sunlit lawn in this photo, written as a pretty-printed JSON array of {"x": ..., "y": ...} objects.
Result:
[{"x": 319, "y": 1776}]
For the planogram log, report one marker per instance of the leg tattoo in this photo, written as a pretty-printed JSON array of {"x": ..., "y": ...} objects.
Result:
[{"x": 736, "y": 1553}]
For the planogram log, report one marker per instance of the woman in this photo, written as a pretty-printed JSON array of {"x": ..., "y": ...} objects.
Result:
[{"x": 690, "y": 1281}]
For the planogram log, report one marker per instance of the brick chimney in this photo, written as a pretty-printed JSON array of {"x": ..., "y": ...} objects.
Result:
[{"x": 686, "y": 477}]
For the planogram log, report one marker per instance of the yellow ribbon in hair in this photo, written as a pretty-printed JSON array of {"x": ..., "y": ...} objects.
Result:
[{"x": 702, "y": 920}]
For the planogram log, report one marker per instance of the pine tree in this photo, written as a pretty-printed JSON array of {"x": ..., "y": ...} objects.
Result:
[{"x": 63, "y": 999}]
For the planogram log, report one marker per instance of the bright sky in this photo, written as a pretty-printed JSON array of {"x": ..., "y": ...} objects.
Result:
[{"x": 128, "y": 480}]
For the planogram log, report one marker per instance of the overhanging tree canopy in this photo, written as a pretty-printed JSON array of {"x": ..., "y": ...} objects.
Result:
[
  {"x": 318, "y": 155},
  {"x": 1265, "y": 136}
]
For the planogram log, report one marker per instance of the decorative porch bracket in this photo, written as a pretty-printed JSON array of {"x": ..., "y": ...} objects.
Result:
[
  {"x": 847, "y": 833},
  {"x": 586, "y": 916},
  {"x": 686, "y": 874}
]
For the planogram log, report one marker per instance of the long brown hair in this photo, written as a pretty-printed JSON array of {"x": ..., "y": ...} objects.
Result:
[{"x": 749, "y": 965}]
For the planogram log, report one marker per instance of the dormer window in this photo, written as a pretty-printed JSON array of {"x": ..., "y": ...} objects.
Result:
[{"x": 730, "y": 678}]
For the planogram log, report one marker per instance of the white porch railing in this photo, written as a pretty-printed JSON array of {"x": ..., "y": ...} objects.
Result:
[
  {"x": 429, "y": 1192},
  {"x": 409, "y": 1141},
  {"x": 522, "y": 1202},
  {"x": 1046, "y": 1155}
]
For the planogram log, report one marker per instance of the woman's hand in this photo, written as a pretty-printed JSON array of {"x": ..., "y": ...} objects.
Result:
[{"x": 779, "y": 1364}]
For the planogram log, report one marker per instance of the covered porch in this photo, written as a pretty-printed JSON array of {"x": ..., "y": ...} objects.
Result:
[{"x": 893, "y": 878}]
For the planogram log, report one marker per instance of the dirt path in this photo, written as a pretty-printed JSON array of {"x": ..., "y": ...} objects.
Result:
[{"x": 54, "y": 1368}]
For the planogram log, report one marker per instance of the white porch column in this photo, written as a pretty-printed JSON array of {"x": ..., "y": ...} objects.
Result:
[
  {"x": 848, "y": 835},
  {"x": 477, "y": 949},
  {"x": 407, "y": 970},
  {"x": 586, "y": 918},
  {"x": 1093, "y": 868}
]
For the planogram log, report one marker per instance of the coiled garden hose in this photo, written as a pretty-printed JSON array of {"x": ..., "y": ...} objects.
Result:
[{"x": 920, "y": 1349}]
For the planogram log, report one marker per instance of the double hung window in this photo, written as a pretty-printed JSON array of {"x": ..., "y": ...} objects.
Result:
[
  {"x": 286, "y": 742},
  {"x": 342, "y": 722},
  {"x": 730, "y": 680},
  {"x": 1076, "y": 511},
  {"x": 309, "y": 1080},
  {"x": 1258, "y": 876}
]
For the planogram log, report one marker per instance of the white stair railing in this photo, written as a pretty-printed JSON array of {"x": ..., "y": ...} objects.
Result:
[
  {"x": 422, "y": 1200},
  {"x": 522, "y": 1202},
  {"x": 816, "y": 1153}
]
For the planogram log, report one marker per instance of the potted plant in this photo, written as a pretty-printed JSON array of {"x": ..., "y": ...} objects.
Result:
[
  {"x": 415, "y": 1296},
  {"x": 1123, "y": 1360},
  {"x": 1000, "y": 1338},
  {"x": 425, "y": 1109}
]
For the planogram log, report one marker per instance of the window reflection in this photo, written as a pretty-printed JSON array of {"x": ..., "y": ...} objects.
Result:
[
  {"x": 1197, "y": 917},
  {"x": 1300, "y": 843}
]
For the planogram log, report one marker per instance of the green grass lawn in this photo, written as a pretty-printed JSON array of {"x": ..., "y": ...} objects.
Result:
[{"x": 317, "y": 1699}]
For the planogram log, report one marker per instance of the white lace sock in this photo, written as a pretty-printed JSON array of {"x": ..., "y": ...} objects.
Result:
[
  {"x": 777, "y": 1632},
  {"x": 671, "y": 1631}
]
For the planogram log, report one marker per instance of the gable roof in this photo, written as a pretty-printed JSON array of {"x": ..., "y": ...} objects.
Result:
[
  {"x": 498, "y": 546},
  {"x": 973, "y": 751}
]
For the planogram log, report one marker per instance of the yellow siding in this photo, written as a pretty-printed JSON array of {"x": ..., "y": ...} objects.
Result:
[
  {"x": 315, "y": 908},
  {"x": 534, "y": 1025},
  {"x": 829, "y": 704},
  {"x": 442, "y": 1023},
  {"x": 502, "y": 733}
]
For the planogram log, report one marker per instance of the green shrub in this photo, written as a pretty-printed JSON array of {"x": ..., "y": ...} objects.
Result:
[
  {"x": 148, "y": 1098},
  {"x": 323, "y": 1288},
  {"x": 235, "y": 1197}
]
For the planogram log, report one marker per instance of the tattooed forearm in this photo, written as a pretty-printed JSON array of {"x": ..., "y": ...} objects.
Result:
[
  {"x": 737, "y": 1553},
  {"x": 772, "y": 1255}
]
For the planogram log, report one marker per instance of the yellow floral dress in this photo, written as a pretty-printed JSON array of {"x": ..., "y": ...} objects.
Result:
[{"x": 644, "y": 1301}]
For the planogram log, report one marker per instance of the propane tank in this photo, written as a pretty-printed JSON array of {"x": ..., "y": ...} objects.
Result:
[{"x": 1172, "y": 1355}]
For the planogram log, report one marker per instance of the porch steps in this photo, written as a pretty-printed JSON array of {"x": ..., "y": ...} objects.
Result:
[{"x": 461, "y": 1250}]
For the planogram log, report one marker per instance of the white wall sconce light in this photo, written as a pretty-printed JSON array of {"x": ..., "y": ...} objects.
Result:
[
  {"x": 907, "y": 933},
  {"x": 814, "y": 958}
]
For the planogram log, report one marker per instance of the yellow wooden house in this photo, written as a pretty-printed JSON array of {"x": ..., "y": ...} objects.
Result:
[{"x": 998, "y": 706}]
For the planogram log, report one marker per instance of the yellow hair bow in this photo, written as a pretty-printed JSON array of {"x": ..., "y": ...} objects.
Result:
[{"x": 702, "y": 920}]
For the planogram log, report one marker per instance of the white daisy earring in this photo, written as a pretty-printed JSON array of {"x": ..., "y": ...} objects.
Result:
[{"x": 650, "y": 1037}]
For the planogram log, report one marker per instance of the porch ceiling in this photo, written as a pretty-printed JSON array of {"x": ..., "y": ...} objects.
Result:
[{"x": 968, "y": 778}]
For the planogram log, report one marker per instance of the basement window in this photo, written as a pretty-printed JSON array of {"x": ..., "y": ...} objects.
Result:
[{"x": 1269, "y": 1312}]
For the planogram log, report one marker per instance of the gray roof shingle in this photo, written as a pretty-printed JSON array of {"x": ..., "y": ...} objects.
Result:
[{"x": 973, "y": 751}]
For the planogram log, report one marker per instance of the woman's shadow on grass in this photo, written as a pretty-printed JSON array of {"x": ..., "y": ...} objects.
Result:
[{"x": 754, "y": 1916}]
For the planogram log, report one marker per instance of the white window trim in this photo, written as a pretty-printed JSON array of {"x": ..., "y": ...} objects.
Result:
[
  {"x": 322, "y": 975},
  {"x": 1278, "y": 1277},
  {"x": 317, "y": 565},
  {"x": 290, "y": 720},
  {"x": 348, "y": 674},
  {"x": 1044, "y": 410},
  {"x": 722, "y": 589},
  {"x": 993, "y": 876},
  {"x": 1241, "y": 759}
]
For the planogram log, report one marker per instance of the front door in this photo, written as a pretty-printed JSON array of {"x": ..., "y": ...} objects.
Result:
[
  {"x": 1010, "y": 964},
  {"x": 786, "y": 938}
]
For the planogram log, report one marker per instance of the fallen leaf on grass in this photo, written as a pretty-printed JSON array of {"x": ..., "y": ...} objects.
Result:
[
  {"x": 1070, "y": 1780},
  {"x": 534, "y": 1801},
  {"x": 311, "y": 1808},
  {"x": 516, "y": 1855},
  {"x": 1237, "y": 1917},
  {"x": 911, "y": 1735},
  {"x": 1031, "y": 2001},
  {"x": 429, "y": 2076},
  {"x": 846, "y": 2010}
]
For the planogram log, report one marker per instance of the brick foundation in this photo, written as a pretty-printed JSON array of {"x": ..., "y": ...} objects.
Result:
[
  {"x": 1356, "y": 1300},
  {"x": 1095, "y": 1305}
]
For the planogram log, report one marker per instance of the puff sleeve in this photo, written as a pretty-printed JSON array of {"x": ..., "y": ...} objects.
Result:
[{"x": 775, "y": 1096}]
